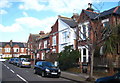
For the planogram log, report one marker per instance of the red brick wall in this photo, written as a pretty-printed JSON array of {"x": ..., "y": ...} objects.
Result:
[{"x": 53, "y": 30}]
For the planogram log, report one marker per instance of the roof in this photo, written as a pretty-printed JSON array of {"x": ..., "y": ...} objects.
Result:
[
  {"x": 94, "y": 15},
  {"x": 20, "y": 44},
  {"x": 70, "y": 22},
  {"x": 90, "y": 14},
  {"x": 115, "y": 10},
  {"x": 44, "y": 36},
  {"x": 34, "y": 36}
]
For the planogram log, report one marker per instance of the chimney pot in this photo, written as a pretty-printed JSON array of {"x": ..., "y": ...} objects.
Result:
[{"x": 41, "y": 32}]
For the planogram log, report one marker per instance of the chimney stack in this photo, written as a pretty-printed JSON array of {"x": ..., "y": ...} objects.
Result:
[
  {"x": 41, "y": 33},
  {"x": 90, "y": 7},
  {"x": 11, "y": 43}
]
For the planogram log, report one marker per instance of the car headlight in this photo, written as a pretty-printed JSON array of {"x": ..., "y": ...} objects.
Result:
[
  {"x": 47, "y": 70},
  {"x": 59, "y": 70}
]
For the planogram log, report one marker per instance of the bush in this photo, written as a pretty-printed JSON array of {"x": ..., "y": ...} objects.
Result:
[
  {"x": 68, "y": 58},
  {"x": 7, "y": 58}
]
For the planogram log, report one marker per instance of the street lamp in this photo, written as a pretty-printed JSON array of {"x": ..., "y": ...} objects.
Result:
[{"x": 35, "y": 52}]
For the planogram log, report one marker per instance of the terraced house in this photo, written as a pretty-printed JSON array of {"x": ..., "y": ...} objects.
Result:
[
  {"x": 81, "y": 31},
  {"x": 92, "y": 27},
  {"x": 43, "y": 46},
  {"x": 12, "y": 49}
]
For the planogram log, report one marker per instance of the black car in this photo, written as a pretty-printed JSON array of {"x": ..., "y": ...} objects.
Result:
[
  {"x": 46, "y": 69},
  {"x": 11, "y": 60},
  {"x": 110, "y": 79}
]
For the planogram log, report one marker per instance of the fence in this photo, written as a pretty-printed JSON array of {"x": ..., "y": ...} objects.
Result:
[{"x": 106, "y": 63}]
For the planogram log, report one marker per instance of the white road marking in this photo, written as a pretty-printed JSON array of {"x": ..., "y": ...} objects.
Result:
[
  {"x": 22, "y": 78},
  {"x": 8, "y": 67},
  {"x": 4, "y": 64},
  {"x": 12, "y": 71}
]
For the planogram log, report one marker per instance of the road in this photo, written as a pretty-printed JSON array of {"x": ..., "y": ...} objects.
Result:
[{"x": 12, "y": 73}]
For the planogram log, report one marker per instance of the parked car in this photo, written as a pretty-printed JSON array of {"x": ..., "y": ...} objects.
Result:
[
  {"x": 23, "y": 62},
  {"x": 16, "y": 61},
  {"x": 110, "y": 79},
  {"x": 46, "y": 69},
  {"x": 11, "y": 60},
  {"x": 2, "y": 60}
]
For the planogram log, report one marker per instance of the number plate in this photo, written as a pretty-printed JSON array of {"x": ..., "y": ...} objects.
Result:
[
  {"x": 26, "y": 64},
  {"x": 53, "y": 73}
]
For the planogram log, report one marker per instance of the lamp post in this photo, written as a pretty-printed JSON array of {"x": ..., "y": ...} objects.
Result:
[{"x": 35, "y": 52}]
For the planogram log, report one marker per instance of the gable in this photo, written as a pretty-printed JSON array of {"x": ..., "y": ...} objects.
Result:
[
  {"x": 70, "y": 22},
  {"x": 83, "y": 17},
  {"x": 54, "y": 27},
  {"x": 7, "y": 46},
  {"x": 16, "y": 46}
]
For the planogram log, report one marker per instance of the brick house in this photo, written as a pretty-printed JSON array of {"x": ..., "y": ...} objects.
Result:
[
  {"x": 88, "y": 23},
  {"x": 13, "y": 49},
  {"x": 32, "y": 45},
  {"x": 43, "y": 46},
  {"x": 54, "y": 38},
  {"x": 85, "y": 21}
]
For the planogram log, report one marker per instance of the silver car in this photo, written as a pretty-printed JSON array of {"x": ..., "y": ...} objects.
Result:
[{"x": 24, "y": 63}]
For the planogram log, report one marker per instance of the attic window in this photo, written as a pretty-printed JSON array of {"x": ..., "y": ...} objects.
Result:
[{"x": 105, "y": 22}]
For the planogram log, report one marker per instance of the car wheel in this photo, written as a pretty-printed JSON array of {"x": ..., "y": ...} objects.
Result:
[
  {"x": 58, "y": 76},
  {"x": 43, "y": 74},
  {"x": 17, "y": 65},
  {"x": 35, "y": 72},
  {"x": 20, "y": 66}
]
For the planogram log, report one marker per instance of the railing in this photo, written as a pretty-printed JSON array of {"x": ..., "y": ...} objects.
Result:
[{"x": 102, "y": 62}]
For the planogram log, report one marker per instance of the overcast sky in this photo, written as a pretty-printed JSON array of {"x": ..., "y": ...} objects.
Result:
[{"x": 19, "y": 18}]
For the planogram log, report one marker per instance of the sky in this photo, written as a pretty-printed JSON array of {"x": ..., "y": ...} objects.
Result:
[{"x": 19, "y": 18}]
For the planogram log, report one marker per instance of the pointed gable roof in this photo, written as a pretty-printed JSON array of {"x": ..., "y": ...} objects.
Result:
[
  {"x": 33, "y": 37},
  {"x": 90, "y": 14},
  {"x": 70, "y": 22},
  {"x": 115, "y": 10}
]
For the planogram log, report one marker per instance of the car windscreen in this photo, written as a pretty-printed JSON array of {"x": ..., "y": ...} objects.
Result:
[
  {"x": 48, "y": 64},
  {"x": 23, "y": 59}
]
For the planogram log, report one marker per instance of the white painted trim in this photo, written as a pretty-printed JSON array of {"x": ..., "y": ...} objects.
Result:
[
  {"x": 105, "y": 20},
  {"x": 87, "y": 53}
]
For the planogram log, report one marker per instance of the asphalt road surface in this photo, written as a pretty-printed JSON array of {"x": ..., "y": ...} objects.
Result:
[{"x": 12, "y": 73}]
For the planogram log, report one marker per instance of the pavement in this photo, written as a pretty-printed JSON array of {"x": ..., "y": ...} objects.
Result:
[{"x": 75, "y": 77}]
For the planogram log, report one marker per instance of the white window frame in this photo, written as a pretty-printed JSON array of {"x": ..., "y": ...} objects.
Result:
[
  {"x": 40, "y": 45},
  {"x": 53, "y": 40},
  {"x": 15, "y": 49},
  {"x": 7, "y": 50},
  {"x": 22, "y": 49},
  {"x": 42, "y": 56},
  {"x": 81, "y": 30},
  {"x": 45, "y": 44},
  {"x": 87, "y": 53},
  {"x": 64, "y": 36},
  {"x": 105, "y": 20}
]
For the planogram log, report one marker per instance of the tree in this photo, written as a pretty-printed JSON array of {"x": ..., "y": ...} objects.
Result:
[
  {"x": 111, "y": 44},
  {"x": 67, "y": 58}
]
